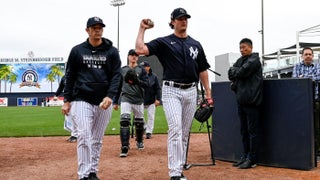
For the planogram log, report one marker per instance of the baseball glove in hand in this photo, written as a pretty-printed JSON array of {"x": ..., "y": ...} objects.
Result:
[
  {"x": 131, "y": 77},
  {"x": 204, "y": 111}
]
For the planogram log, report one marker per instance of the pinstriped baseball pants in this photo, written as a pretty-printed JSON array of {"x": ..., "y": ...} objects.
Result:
[
  {"x": 179, "y": 107},
  {"x": 90, "y": 122},
  {"x": 151, "y": 114},
  {"x": 136, "y": 109}
]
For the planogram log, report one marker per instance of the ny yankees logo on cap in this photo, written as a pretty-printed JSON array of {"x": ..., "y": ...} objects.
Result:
[
  {"x": 95, "y": 20},
  {"x": 179, "y": 12}
]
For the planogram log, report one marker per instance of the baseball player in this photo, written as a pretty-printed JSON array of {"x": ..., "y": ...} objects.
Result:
[
  {"x": 184, "y": 62},
  {"x": 73, "y": 137},
  {"x": 134, "y": 80},
  {"x": 92, "y": 80},
  {"x": 152, "y": 98}
]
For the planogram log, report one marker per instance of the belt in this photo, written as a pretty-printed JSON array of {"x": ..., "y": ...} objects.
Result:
[{"x": 179, "y": 85}]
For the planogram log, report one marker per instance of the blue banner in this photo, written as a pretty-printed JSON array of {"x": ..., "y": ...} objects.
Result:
[
  {"x": 32, "y": 77},
  {"x": 27, "y": 101}
]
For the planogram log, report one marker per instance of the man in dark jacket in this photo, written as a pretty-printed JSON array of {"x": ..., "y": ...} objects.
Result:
[
  {"x": 247, "y": 81},
  {"x": 92, "y": 80},
  {"x": 151, "y": 98},
  {"x": 68, "y": 118}
]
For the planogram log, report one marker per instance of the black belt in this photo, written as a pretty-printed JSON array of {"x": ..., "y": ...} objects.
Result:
[{"x": 179, "y": 85}]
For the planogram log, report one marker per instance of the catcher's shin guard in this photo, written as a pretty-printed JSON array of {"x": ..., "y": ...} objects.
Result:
[
  {"x": 139, "y": 124},
  {"x": 125, "y": 129},
  {"x": 125, "y": 136}
]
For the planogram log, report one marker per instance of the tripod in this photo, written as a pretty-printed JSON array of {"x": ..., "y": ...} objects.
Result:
[
  {"x": 132, "y": 126},
  {"x": 188, "y": 166}
]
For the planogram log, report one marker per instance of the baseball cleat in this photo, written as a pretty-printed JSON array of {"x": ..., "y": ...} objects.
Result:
[
  {"x": 148, "y": 136},
  {"x": 72, "y": 139},
  {"x": 93, "y": 176},
  {"x": 124, "y": 151},
  {"x": 140, "y": 145}
]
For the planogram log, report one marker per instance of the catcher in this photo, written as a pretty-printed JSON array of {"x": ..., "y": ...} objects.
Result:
[{"x": 134, "y": 80}]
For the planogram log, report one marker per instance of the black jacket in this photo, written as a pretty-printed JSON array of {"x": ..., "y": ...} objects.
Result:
[
  {"x": 153, "y": 91},
  {"x": 92, "y": 73},
  {"x": 247, "y": 80},
  {"x": 61, "y": 86}
]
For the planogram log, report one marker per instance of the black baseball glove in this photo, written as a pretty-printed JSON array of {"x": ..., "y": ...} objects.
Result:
[
  {"x": 204, "y": 111},
  {"x": 131, "y": 77}
]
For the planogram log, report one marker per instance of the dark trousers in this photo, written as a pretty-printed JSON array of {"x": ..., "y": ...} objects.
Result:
[
  {"x": 317, "y": 127},
  {"x": 249, "y": 129}
]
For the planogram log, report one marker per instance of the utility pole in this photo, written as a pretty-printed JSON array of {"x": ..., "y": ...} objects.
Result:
[
  {"x": 262, "y": 32},
  {"x": 117, "y": 3}
]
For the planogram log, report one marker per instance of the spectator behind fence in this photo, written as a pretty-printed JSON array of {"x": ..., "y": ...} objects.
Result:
[{"x": 308, "y": 69}]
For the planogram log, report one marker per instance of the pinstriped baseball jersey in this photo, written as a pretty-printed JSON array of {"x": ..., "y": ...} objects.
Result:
[{"x": 182, "y": 60}]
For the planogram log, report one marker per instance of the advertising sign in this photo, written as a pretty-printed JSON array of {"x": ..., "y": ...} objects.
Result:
[
  {"x": 54, "y": 101},
  {"x": 27, "y": 101},
  {"x": 3, "y": 101},
  {"x": 31, "y": 74}
]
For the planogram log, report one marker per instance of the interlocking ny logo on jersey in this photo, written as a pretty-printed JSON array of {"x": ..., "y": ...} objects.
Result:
[{"x": 193, "y": 53}]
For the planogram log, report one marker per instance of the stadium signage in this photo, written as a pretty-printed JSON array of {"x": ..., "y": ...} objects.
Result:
[
  {"x": 27, "y": 101},
  {"x": 3, "y": 101},
  {"x": 32, "y": 60}
]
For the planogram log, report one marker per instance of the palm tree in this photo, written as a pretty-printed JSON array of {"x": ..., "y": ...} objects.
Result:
[
  {"x": 12, "y": 79},
  {"x": 1, "y": 65},
  {"x": 4, "y": 75},
  {"x": 55, "y": 70},
  {"x": 51, "y": 77}
]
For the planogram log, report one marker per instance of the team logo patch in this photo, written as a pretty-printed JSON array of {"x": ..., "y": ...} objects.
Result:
[
  {"x": 97, "y": 19},
  {"x": 30, "y": 78},
  {"x": 193, "y": 53}
]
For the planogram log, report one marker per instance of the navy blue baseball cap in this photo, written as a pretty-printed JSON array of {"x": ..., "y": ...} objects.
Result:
[
  {"x": 95, "y": 20},
  {"x": 132, "y": 52},
  {"x": 178, "y": 13},
  {"x": 145, "y": 64}
]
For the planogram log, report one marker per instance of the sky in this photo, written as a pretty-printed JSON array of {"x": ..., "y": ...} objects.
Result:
[{"x": 50, "y": 28}]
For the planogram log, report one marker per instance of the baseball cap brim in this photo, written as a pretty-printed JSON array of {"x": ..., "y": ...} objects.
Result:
[
  {"x": 94, "y": 21},
  {"x": 132, "y": 52},
  {"x": 89, "y": 25},
  {"x": 183, "y": 15}
]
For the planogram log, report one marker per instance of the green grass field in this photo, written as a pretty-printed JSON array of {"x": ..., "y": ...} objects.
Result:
[{"x": 48, "y": 121}]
